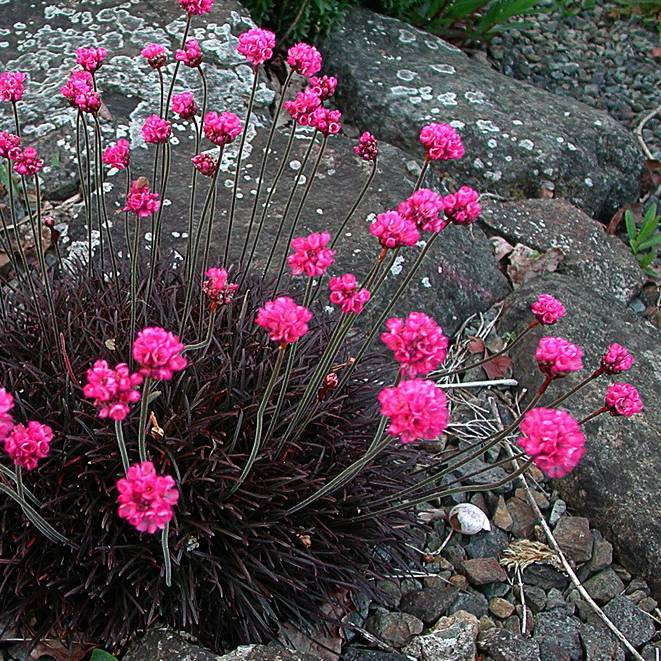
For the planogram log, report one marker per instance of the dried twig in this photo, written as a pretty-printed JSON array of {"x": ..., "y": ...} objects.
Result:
[{"x": 639, "y": 131}]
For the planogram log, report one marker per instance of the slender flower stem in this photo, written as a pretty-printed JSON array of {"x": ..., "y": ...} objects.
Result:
[
  {"x": 162, "y": 93},
  {"x": 144, "y": 408},
  {"x": 176, "y": 67},
  {"x": 207, "y": 340},
  {"x": 127, "y": 234},
  {"x": 575, "y": 389},
  {"x": 167, "y": 561},
  {"x": 421, "y": 176},
  {"x": 94, "y": 192},
  {"x": 135, "y": 259},
  {"x": 13, "y": 477},
  {"x": 205, "y": 91},
  {"x": 191, "y": 206},
  {"x": 121, "y": 444},
  {"x": 592, "y": 415},
  {"x": 85, "y": 189}
]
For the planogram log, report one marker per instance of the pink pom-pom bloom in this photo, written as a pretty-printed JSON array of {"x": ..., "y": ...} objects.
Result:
[
  {"x": 311, "y": 257},
  {"x": 141, "y": 201},
  {"x": 9, "y": 145},
  {"x": 27, "y": 162},
  {"x": 197, "y": 7},
  {"x": 323, "y": 86},
  {"x": 146, "y": 500},
  {"x": 113, "y": 390},
  {"x": 302, "y": 106},
  {"x": 304, "y": 59},
  {"x": 462, "y": 207},
  {"x": 553, "y": 439},
  {"x": 547, "y": 309},
  {"x": 191, "y": 54},
  {"x": 623, "y": 399},
  {"x": 345, "y": 292},
  {"x": 26, "y": 445},
  {"x": 557, "y": 357},
  {"x": 442, "y": 142},
  {"x": 616, "y": 359},
  {"x": 222, "y": 128},
  {"x": 118, "y": 155},
  {"x": 184, "y": 105},
  {"x": 284, "y": 320},
  {"x": 205, "y": 164},
  {"x": 217, "y": 287},
  {"x": 79, "y": 92},
  {"x": 256, "y": 45},
  {"x": 11, "y": 85},
  {"x": 393, "y": 231},
  {"x": 91, "y": 58},
  {"x": 367, "y": 147},
  {"x": 417, "y": 409},
  {"x": 156, "y": 130},
  {"x": 417, "y": 342},
  {"x": 158, "y": 353},
  {"x": 328, "y": 122},
  {"x": 155, "y": 54},
  {"x": 6, "y": 405},
  {"x": 424, "y": 209}
]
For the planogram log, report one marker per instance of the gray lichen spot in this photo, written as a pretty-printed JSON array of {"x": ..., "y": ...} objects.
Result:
[
  {"x": 486, "y": 125},
  {"x": 475, "y": 96},
  {"x": 406, "y": 75},
  {"x": 526, "y": 144},
  {"x": 406, "y": 36},
  {"x": 443, "y": 68},
  {"x": 447, "y": 99}
]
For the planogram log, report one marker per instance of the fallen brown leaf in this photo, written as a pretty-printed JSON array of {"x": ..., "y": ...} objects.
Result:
[
  {"x": 498, "y": 367},
  {"x": 526, "y": 263}
]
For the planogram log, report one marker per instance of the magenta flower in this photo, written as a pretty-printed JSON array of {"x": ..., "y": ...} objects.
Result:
[
  {"x": 118, "y": 155},
  {"x": 417, "y": 342},
  {"x": 11, "y": 86},
  {"x": 328, "y": 122},
  {"x": 6, "y": 420},
  {"x": 557, "y": 357},
  {"x": 345, "y": 292},
  {"x": 204, "y": 164},
  {"x": 302, "y": 106},
  {"x": 141, "y": 201},
  {"x": 155, "y": 54},
  {"x": 547, "y": 310},
  {"x": 113, "y": 390},
  {"x": 417, "y": 410},
  {"x": 304, "y": 59},
  {"x": 616, "y": 359},
  {"x": 158, "y": 352},
  {"x": 197, "y": 7},
  {"x": 26, "y": 445},
  {"x": 623, "y": 399},
  {"x": 553, "y": 439},
  {"x": 424, "y": 208},
  {"x": 462, "y": 207},
  {"x": 146, "y": 500},
  {"x": 217, "y": 286},
  {"x": 324, "y": 87},
  {"x": 256, "y": 45},
  {"x": 191, "y": 55},
  {"x": 90, "y": 58},
  {"x": 441, "y": 142},
  {"x": 156, "y": 130},
  {"x": 79, "y": 91},
  {"x": 27, "y": 162},
  {"x": 285, "y": 321},
  {"x": 9, "y": 145},
  {"x": 222, "y": 128},
  {"x": 184, "y": 105},
  {"x": 367, "y": 147},
  {"x": 311, "y": 257},
  {"x": 393, "y": 231}
]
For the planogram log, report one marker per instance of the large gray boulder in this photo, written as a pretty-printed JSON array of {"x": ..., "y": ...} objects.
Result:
[{"x": 394, "y": 78}]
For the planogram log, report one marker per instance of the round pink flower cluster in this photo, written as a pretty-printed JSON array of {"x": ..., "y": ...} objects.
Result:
[
  {"x": 256, "y": 45},
  {"x": 27, "y": 162},
  {"x": 441, "y": 142},
  {"x": 11, "y": 86},
  {"x": 285, "y": 320},
  {"x": 156, "y": 130},
  {"x": 547, "y": 309},
  {"x": 367, "y": 147},
  {"x": 222, "y": 128},
  {"x": 79, "y": 92},
  {"x": 323, "y": 86},
  {"x": 113, "y": 390},
  {"x": 197, "y": 7},
  {"x": 26, "y": 445},
  {"x": 184, "y": 105},
  {"x": 463, "y": 206},
  {"x": 304, "y": 59},
  {"x": 191, "y": 54},
  {"x": 118, "y": 155},
  {"x": 623, "y": 399},
  {"x": 302, "y": 106},
  {"x": 9, "y": 145},
  {"x": 146, "y": 500},
  {"x": 6, "y": 420},
  {"x": 311, "y": 257},
  {"x": 417, "y": 409},
  {"x": 155, "y": 54},
  {"x": 393, "y": 231},
  {"x": 424, "y": 208},
  {"x": 345, "y": 292},
  {"x": 553, "y": 439},
  {"x": 328, "y": 122},
  {"x": 158, "y": 352},
  {"x": 217, "y": 287},
  {"x": 616, "y": 359},
  {"x": 204, "y": 164},
  {"x": 141, "y": 201},
  {"x": 417, "y": 342},
  {"x": 90, "y": 58},
  {"x": 557, "y": 357}
]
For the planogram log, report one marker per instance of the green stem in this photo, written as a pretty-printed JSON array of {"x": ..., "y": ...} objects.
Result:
[
  {"x": 85, "y": 189},
  {"x": 94, "y": 192},
  {"x": 144, "y": 408},
  {"x": 191, "y": 206},
  {"x": 176, "y": 68},
  {"x": 121, "y": 444},
  {"x": 167, "y": 561},
  {"x": 134, "y": 281},
  {"x": 207, "y": 340}
]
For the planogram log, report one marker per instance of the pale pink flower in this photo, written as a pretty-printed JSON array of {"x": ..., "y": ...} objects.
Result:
[
  {"x": 547, "y": 309},
  {"x": 616, "y": 359},
  {"x": 441, "y": 142},
  {"x": 328, "y": 122},
  {"x": 191, "y": 55},
  {"x": 118, "y": 154},
  {"x": 311, "y": 257},
  {"x": 553, "y": 439},
  {"x": 345, "y": 292},
  {"x": 27, "y": 162},
  {"x": 6, "y": 420},
  {"x": 113, "y": 390},
  {"x": 424, "y": 208},
  {"x": 9, "y": 145},
  {"x": 217, "y": 286},
  {"x": 284, "y": 320},
  {"x": 146, "y": 500},
  {"x": 623, "y": 399},
  {"x": 222, "y": 128},
  {"x": 90, "y": 58},
  {"x": 12, "y": 86},
  {"x": 304, "y": 59},
  {"x": 26, "y": 445},
  {"x": 155, "y": 54},
  {"x": 393, "y": 231},
  {"x": 158, "y": 353},
  {"x": 197, "y": 7},
  {"x": 302, "y": 106},
  {"x": 184, "y": 105},
  {"x": 141, "y": 201},
  {"x": 462, "y": 207},
  {"x": 156, "y": 130},
  {"x": 367, "y": 147},
  {"x": 323, "y": 86},
  {"x": 205, "y": 164},
  {"x": 557, "y": 357},
  {"x": 256, "y": 45},
  {"x": 417, "y": 410}
]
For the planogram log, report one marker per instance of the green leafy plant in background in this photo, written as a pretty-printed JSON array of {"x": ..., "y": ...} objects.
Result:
[
  {"x": 100, "y": 655},
  {"x": 644, "y": 242}
]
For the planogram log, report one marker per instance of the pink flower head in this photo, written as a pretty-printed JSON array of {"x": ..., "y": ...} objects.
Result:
[
  {"x": 616, "y": 359},
  {"x": 79, "y": 91},
  {"x": 623, "y": 399},
  {"x": 141, "y": 201},
  {"x": 547, "y": 310},
  {"x": 6, "y": 405},
  {"x": 302, "y": 106},
  {"x": 197, "y": 7},
  {"x": 323, "y": 86},
  {"x": 27, "y": 162},
  {"x": 285, "y": 321},
  {"x": 191, "y": 55},
  {"x": 9, "y": 145},
  {"x": 304, "y": 59},
  {"x": 113, "y": 390},
  {"x": 553, "y": 439},
  {"x": 557, "y": 357},
  {"x": 417, "y": 342},
  {"x": 328, "y": 122},
  {"x": 417, "y": 410},
  {"x": 311, "y": 257},
  {"x": 424, "y": 208},
  {"x": 367, "y": 147},
  {"x": 442, "y": 142},
  {"x": 118, "y": 155},
  {"x": 155, "y": 54},
  {"x": 345, "y": 292},
  {"x": 156, "y": 130},
  {"x": 205, "y": 164},
  {"x": 392, "y": 230},
  {"x": 90, "y": 58},
  {"x": 26, "y": 445},
  {"x": 11, "y": 85},
  {"x": 184, "y": 105},
  {"x": 158, "y": 352},
  {"x": 222, "y": 128},
  {"x": 256, "y": 45},
  {"x": 462, "y": 207},
  {"x": 146, "y": 500},
  {"x": 217, "y": 287}
]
